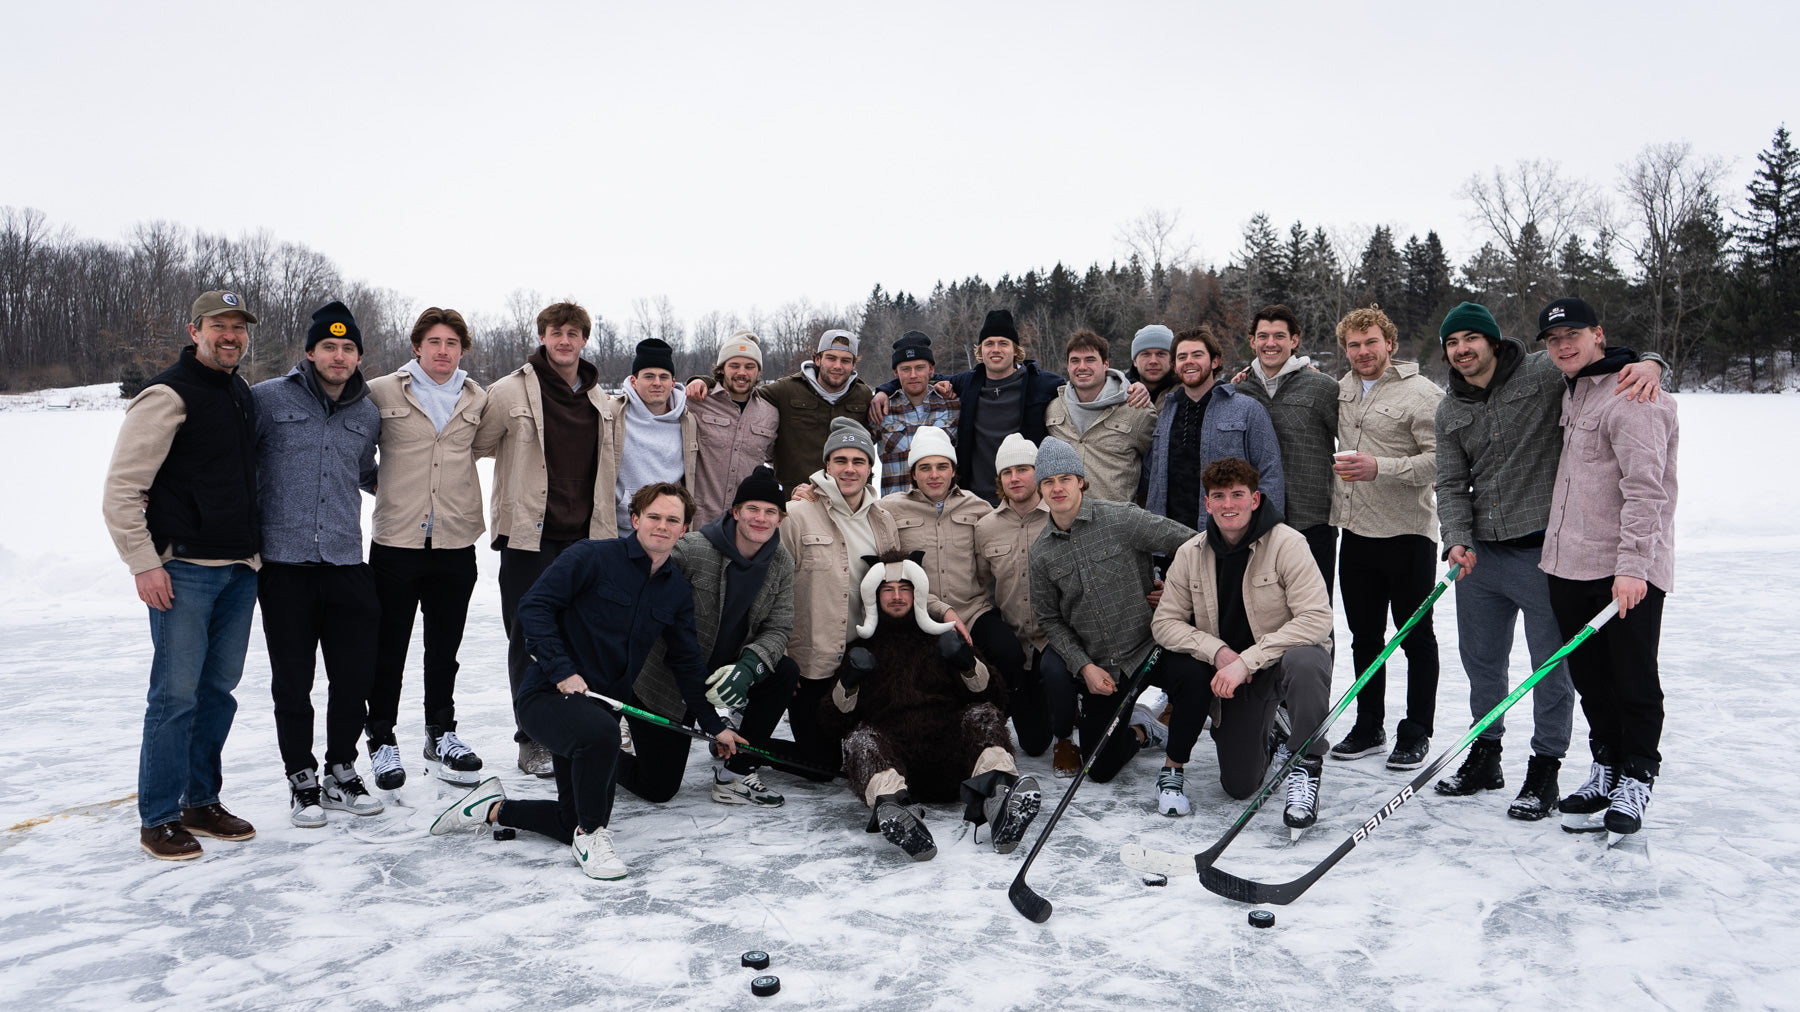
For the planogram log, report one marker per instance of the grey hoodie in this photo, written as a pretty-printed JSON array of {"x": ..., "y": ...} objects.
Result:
[{"x": 1112, "y": 393}]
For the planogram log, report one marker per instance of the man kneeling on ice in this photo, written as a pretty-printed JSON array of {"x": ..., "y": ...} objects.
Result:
[
  {"x": 916, "y": 715},
  {"x": 590, "y": 621},
  {"x": 1245, "y": 598}
]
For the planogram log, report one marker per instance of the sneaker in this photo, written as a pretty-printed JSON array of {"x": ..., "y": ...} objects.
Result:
[
  {"x": 1279, "y": 733},
  {"x": 1065, "y": 758},
  {"x": 1629, "y": 798},
  {"x": 384, "y": 760},
  {"x": 626, "y": 745},
  {"x": 1009, "y": 810},
  {"x": 1537, "y": 798},
  {"x": 745, "y": 790},
  {"x": 1171, "y": 798},
  {"x": 903, "y": 828},
  {"x": 214, "y": 821},
  {"x": 1303, "y": 793},
  {"x": 471, "y": 810},
  {"x": 1156, "y": 733},
  {"x": 308, "y": 811},
  {"x": 345, "y": 792},
  {"x": 169, "y": 842},
  {"x": 1361, "y": 741},
  {"x": 594, "y": 853},
  {"x": 456, "y": 762},
  {"x": 1584, "y": 811},
  {"x": 1480, "y": 771},
  {"x": 535, "y": 759},
  {"x": 1409, "y": 754}
]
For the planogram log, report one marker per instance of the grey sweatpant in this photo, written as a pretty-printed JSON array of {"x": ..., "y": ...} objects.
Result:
[{"x": 1505, "y": 582}]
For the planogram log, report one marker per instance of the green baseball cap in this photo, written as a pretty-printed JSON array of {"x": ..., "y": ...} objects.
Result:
[{"x": 218, "y": 303}]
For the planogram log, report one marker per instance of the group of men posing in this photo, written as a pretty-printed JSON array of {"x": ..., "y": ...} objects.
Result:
[{"x": 926, "y": 562}]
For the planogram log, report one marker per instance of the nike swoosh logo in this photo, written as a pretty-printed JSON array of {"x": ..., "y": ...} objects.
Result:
[
  {"x": 469, "y": 809},
  {"x": 580, "y": 852}
]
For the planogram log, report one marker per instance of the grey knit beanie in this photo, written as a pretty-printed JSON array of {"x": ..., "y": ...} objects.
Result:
[
  {"x": 845, "y": 432},
  {"x": 1154, "y": 336},
  {"x": 1056, "y": 457}
]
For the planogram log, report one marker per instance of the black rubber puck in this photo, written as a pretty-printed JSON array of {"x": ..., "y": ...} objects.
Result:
[
  {"x": 1262, "y": 919},
  {"x": 765, "y": 985},
  {"x": 504, "y": 833},
  {"x": 1156, "y": 880},
  {"x": 756, "y": 959}
]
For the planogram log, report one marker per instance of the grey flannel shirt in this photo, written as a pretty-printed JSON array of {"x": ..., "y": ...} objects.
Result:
[
  {"x": 1304, "y": 411},
  {"x": 1088, "y": 583}
]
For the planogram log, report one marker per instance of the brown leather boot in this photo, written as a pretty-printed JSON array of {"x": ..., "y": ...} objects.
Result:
[
  {"x": 169, "y": 842},
  {"x": 214, "y": 821},
  {"x": 1066, "y": 758}
]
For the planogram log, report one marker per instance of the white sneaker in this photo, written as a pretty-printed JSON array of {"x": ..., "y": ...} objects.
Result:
[
  {"x": 1156, "y": 733},
  {"x": 1171, "y": 795},
  {"x": 745, "y": 790},
  {"x": 594, "y": 853},
  {"x": 303, "y": 789},
  {"x": 344, "y": 791},
  {"x": 471, "y": 810}
]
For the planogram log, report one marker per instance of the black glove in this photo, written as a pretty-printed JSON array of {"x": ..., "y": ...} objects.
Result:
[
  {"x": 859, "y": 664},
  {"x": 954, "y": 649}
]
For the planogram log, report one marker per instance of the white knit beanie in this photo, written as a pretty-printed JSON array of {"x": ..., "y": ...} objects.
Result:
[{"x": 929, "y": 441}]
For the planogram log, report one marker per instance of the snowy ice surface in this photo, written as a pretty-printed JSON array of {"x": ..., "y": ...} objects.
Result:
[{"x": 1449, "y": 902}]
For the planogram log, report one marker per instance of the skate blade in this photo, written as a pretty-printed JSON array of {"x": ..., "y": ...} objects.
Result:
[
  {"x": 1295, "y": 834},
  {"x": 1574, "y": 822}
]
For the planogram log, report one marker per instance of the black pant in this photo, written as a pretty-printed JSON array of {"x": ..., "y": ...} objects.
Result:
[
  {"x": 1178, "y": 675},
  {"x": 655, "y": 773},
  {"x": 305, "y": 610},
  {"x": 435, "y": 582},
  {"x": 582, "y": 735},
  {"x": 1615, "y": 671},
  {"x": 1383, "y": 576},
  {"x": 803, "y": 721},
  {"x": 1321, "y": 540},
  {"x": 1010, "y": 660},
  {"x": 519, "y": 569},
  {"x": 1061, "y": 698}
]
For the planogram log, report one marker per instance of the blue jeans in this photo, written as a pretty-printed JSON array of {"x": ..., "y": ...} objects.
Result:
[{"x": 199, "y": 643}]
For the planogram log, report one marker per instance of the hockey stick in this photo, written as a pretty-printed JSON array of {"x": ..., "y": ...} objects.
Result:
[
  {"x": 698, "y": 735},
  {"x": 1138, "y": 857},
  {"x": 1243, "y": 890},
  {"x": 1025, "y": 900}
]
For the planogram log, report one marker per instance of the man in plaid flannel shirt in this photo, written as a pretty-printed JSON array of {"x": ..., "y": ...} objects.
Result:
[{"x": 919, "y": 406}]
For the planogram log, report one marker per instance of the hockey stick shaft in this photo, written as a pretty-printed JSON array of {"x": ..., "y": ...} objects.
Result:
[
  {"x": 1025, "y": 900},
  {"x": 1297, "y": 752},
  {"x": 1245, "y": 891},
  {"x": 698, "y": 735}
]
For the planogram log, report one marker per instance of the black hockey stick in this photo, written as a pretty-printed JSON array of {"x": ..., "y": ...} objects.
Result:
[
  {"x": 698, "y": 735},
  {"x": 1243, "y": 890},
  {"x": 1136, "y": 856},
  {"x": 1024, "y": 899}
]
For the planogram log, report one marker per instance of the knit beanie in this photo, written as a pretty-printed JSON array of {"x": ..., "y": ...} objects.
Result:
[
  {"x": 830, "y": 339},
  {"x": 1469, "y": 316},
  {"x": 1015, "y": 449},
  {"x": 1056, "y": 457},
  {"x": 743, "y": 344},
  {"x": 333, "y": 320},
  {"x": 999, "y": 323},
  {"x": 1154, "y": 336},
  {"x": 846, "y": 432},
  {"x": 929, "y": 441},
  {"x": 653, "y": 353},
  {"x": 760, "y": 486},
  {"x": 913, "y": 345}
]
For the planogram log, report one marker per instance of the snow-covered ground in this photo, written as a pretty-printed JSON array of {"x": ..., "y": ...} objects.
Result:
[{"x": 1448, "y": 904}]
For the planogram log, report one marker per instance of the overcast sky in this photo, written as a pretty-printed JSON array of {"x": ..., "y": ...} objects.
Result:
[{"x": 733, "y": 155}]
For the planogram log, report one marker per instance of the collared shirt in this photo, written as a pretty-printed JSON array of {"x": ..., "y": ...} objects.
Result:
[{"x": 894, "y": 440}]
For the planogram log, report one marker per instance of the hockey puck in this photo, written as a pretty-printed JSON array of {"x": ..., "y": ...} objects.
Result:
[
  {"x": 504, "y": 833},
  {"x": 1262, "y": 919},
  {"x": 1156, "y": 880},
  {"x": 765, "y": 985},
  {"x": 756, "y": 959}
]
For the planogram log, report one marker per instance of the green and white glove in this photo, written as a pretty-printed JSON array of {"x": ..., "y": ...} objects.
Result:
[{"x": 729, "y": 687}]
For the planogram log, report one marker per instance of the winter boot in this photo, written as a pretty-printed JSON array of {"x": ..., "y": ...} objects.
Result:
[
  {"x": 1065, "y": 758},
  {"x": 902, "y": 826},
  {"x": 1171, "y": 792},
  {"x": 1584, "y": 811},
  {"x": 533, "y": 759},
  {"x": 307, "y": 811},
  {"x": 456, "y": 763},
  {"x": 345, "y": 792},
  {"x": 1411, "y": 742},
  {"x": 1630, "y": 796},
  {"x": 1480, "y": 771},
  {"x": 1361, "y": 741},
  {"x": 1538, "y": 797},
  {"x": 1303, "y": 793}
]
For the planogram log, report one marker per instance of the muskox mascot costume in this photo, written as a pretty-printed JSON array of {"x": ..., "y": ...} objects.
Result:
[{"x": 921, "y": 721}]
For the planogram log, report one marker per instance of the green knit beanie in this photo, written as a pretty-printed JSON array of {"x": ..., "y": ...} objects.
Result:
[{"x": 1469, "y": 316}]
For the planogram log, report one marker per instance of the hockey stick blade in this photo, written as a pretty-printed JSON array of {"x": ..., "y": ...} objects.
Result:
[
  {"x": 1234, "y": 887},
  {"x": 1024, "y": 900}
]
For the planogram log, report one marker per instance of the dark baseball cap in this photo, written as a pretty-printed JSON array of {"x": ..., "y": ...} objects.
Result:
[
  {"x": 1569, "y": 312},
  {"x": 218, "y": 303}
]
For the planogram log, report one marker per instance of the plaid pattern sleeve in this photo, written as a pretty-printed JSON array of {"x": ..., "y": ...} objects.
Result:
[{"x": 895, "y": 438}]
